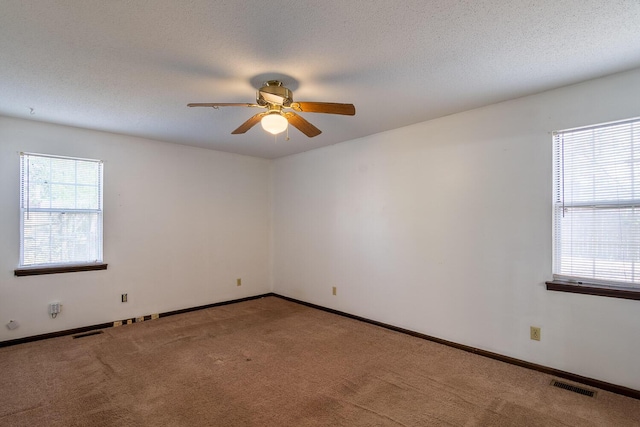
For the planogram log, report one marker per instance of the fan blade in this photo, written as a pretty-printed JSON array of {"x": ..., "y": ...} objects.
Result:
[
  {"x": 221, "y": 104},
  {"x": 248, "y": 124},
  {"x": 302, "y": 125},
  {"x": 325, "y": 107}
]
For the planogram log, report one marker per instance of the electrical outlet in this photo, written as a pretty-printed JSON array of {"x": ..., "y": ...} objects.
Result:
[
  {"x": 535, "y": 333},
  {"x": 54, "y": 308},
  {"x": 124, "y": 298},
  {"x": 334, "y": 291},
  {"x": 238, "y": 282}
]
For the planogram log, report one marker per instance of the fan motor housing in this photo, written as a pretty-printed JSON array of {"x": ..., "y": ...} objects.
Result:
[{"x": 274, "y": 93}]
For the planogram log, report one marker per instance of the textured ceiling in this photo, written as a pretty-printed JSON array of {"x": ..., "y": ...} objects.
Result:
[{"x": 131, "y": 66}]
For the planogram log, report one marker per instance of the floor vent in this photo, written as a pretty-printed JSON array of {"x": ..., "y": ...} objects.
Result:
[
  {"x": 88, "y": 334},
  {"x": 573, "y": 388}
]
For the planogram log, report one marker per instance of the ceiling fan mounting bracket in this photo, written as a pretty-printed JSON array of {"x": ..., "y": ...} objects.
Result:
[{"x": 274, "y": 93}]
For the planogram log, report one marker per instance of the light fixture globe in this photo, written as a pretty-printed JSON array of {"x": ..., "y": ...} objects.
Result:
[{"x": 274, "y": 123}]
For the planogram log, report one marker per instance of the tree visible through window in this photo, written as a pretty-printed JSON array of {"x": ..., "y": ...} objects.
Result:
[
  {"x": 61, "y": 210},
  {"x": 597, "y": 205}
]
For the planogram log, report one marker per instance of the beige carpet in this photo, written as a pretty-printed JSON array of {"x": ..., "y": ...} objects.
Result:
[{"x": 271, "y": 362}]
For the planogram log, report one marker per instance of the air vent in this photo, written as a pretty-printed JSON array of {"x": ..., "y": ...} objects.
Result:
[
  {"x": 573, "y": 388},
  {"x": 88, "y": 334}
]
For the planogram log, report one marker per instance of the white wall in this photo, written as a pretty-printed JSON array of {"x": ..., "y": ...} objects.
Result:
[
  {"x": 180, "y": 225},
  {"x": 444, "y": 228}
]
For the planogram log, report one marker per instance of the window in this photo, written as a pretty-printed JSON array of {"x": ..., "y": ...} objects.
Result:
[
  {"x": 60, "y": 211},
  {"x": 597, "y": 206}
]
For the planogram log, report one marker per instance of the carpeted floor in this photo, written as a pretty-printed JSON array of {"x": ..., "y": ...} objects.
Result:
[{"x": 271, "y": 362}]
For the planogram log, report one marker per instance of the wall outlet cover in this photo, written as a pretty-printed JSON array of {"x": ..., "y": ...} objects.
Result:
[
  {"x": 535, "y": 333},
  {"x": 54, "y": 308}
]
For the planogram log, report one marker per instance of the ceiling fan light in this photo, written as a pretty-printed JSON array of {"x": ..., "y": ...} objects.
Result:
[{"x": 274, "y": 123}]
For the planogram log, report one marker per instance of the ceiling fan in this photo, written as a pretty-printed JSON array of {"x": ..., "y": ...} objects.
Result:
[{"x": 277, "y": 99}]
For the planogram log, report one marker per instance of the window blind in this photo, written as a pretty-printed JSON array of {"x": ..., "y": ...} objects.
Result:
[
  {"x": 61, "y": 210},
  {"x": 597, "y": 204}
]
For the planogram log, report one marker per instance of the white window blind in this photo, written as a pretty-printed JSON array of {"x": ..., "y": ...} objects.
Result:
[
  {"x": 61, "y": 210},
  {"x": 597, "y": 204}
]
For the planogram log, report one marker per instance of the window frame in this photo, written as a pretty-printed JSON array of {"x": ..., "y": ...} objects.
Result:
[
  {"x": 70, "y": 266},
  {"x": 576, "y": 284}
]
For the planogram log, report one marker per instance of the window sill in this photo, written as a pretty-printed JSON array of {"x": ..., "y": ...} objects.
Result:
[
  {"x": 557, "y": 285},
  {"x": 72, "y": 268}
]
